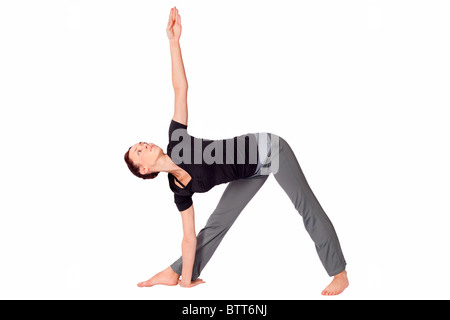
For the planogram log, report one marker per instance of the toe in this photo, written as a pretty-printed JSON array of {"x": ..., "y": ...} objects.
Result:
[{"x": 144, "y": 284}]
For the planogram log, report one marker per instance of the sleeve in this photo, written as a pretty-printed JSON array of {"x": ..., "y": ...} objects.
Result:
[
  {"x": 183, "y": 202},
  {"x": 174, "y": 125}
]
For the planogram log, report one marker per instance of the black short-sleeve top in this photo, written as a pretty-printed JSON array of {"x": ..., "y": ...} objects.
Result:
[{"x": 208, "y": 162}]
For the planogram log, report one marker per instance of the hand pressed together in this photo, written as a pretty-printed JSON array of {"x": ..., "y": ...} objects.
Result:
[{"x": 174, "y": 25}]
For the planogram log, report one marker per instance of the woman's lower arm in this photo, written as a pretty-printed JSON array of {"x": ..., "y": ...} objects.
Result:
[
  {"x": 179, "y": 80},
  {"x": 189, "y": 246}
]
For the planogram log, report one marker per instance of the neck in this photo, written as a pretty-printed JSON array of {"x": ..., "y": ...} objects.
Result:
[{"x": 165, "y": 164}]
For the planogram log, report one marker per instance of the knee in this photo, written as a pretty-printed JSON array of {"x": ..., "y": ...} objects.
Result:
[{"x": 222, "y": 219}]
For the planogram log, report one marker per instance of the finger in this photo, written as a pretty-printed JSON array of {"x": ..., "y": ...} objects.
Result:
[
  {"x": 169, "y": 24},
  {"x": 198, "y": 281}
]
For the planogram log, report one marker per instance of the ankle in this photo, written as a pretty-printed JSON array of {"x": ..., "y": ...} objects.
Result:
[
  {"x": 172, "y": 273},
  {"x": 343, "y": 274}
]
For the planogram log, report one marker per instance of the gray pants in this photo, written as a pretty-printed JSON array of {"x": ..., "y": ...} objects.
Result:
[{"x": 282, "y": 162}]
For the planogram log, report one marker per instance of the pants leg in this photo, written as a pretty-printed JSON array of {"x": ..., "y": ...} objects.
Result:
[
  {"x": 236, "y": 196},
  {"x": 290, "y": 177}
]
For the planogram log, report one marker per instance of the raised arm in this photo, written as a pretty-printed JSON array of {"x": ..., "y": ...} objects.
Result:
[{"x": 179, "y": 80}]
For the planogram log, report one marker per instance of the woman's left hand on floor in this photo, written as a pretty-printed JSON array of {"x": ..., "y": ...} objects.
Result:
[{"x": 194, "y": 283}]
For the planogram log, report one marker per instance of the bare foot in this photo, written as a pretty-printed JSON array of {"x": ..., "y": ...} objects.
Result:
[
  {"x": 167, "y": 277},
  {"x": 337, "y": 286}
]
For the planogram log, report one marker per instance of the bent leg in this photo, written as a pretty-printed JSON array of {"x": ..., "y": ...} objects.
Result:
[
  {"x": 291, "y": 178},
  {"x": 236, "y": 196}
]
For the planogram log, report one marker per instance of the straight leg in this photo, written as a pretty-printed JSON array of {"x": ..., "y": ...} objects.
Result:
[
  {"x": 236, "y": 196},
  {"x": 290, "y": 177}
]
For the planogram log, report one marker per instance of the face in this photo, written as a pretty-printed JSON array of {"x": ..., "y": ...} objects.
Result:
[{"x": 145, "y": 155}]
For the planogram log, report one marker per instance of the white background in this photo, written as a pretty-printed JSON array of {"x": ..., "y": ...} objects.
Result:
[{"x": 360, "y": 90}]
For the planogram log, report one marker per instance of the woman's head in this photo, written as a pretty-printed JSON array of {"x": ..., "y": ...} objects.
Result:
[{"x": 141, "y": 159}]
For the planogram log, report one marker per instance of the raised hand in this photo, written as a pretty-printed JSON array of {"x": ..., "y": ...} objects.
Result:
[{"x": 174, "y": 25}]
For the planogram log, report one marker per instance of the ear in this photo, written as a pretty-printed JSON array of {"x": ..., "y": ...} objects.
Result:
[{"x": 143, "y": 170}]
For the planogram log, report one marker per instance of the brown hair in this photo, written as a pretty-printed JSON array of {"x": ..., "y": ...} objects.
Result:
[{"x": 135, "y": 169}]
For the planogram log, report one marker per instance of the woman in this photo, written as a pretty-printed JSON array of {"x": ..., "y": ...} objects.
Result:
[{"x": 244, "y": 162}]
